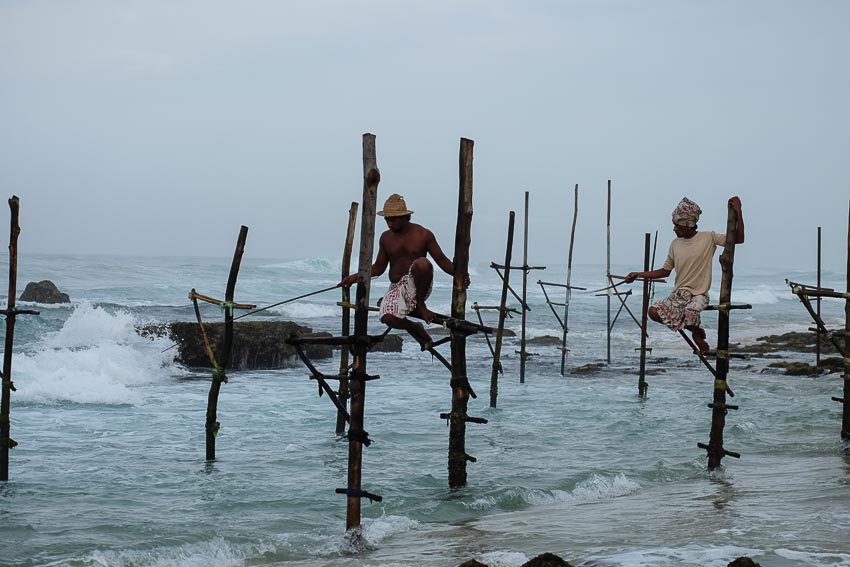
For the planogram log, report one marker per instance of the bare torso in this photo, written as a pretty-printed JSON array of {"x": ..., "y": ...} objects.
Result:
[{"x": 403, "y": 247}]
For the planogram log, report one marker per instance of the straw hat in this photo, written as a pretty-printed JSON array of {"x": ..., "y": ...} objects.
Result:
[{"x": 395, "y": 207}]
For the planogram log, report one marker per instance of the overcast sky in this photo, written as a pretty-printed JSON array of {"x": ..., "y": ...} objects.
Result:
[{"x": 160, "y": 127}]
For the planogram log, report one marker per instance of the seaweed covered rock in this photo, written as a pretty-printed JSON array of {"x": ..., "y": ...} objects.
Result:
[
  {"x": 257, "y": 345},
  {"x": 44, "y": 291}
]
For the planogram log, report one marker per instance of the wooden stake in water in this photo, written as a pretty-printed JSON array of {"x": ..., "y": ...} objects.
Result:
[
  {"x": 503, "y": 312},
  {"x": 523, "y": 355},
  {"x": 342, "y": 393},
  {"x": 357, "y": 382},
  {"x": 459, "y": 383},
  {"x": 568, "y": 290},
  {"x": 6, "y": 442},
  {"x": 818, "y": 300},
  {"x": 715, "y": 449},
  {"x": 608, "y": 276},
  {"x": 212, "y": 425},
  {"x": 643, "y": 320},
  {"x": 845, "y": 417}
]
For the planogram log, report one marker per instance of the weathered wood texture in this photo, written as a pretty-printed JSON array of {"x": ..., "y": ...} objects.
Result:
[
  {"x": 644, "y": 310},
  {"x": 342, "y": 392},
  {"x": 460, "y": 391},
  {"x": 497, "y": 349},
  {"x": 6, "y": 441}
]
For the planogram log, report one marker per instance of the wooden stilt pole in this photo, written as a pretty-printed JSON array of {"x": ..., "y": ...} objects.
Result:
[
  {"x": 522, "y": 353},
  {"x": 494, "y": 375},
  {"x": 818, "y": 299},
  {"x": 6, "y": 442},
  {"x": 608, "y": 276},
  {"x": 212, "y": 425},
  {"x": 459, "y": 383},
  {"x": 357, "y": 383},
  {"x": 845, "y": 417},
  {"x": 644, "y": 311},
  {"x": 568, "y": 290},
  {"x": 718, "y": 412},
  {"x": 342, "y": 393}
]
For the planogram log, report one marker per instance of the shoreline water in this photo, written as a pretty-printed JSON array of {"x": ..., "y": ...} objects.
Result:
[{"x": 110, "y": 467}]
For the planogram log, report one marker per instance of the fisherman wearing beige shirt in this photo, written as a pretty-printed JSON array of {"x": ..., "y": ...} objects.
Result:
[{"x": 691, "y": 255}]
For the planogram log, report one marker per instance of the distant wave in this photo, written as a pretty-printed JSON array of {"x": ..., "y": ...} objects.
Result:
[
  {"x": 318, "y": 265},
  {"x": 760, "y": 295},
  {"x": 216, "y": 551},
  {"x": 307, "y": 310}
]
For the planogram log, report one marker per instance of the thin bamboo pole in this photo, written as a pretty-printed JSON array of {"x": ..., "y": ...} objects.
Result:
[
  {"x": 6, "y": 442},
  {"x": 608, "y": 275},
  {"x": 845, "y": 416},
  {"x": 460, "y": 385},
  {"x": 343, "y": 393},
  {"x": 642, "y": 386},
  {"x": 522, "y": 353},
  {"x": 212, "y": 425},
  {"x": 494, "y": 375},
  {"x": 568, "y": 290},
  {"x": 357, "y": 382},
  {"x": 718, "y": 412}
]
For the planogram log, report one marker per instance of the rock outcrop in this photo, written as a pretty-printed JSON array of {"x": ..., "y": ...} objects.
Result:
[
  {"x": 44, "y": 291},
  {"x": 257, "y": 345}
]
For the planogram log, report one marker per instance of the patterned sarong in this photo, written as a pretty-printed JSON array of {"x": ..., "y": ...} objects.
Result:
[
  {"x": 681, "y": 309},
  {"x": 400, "y": 298}
]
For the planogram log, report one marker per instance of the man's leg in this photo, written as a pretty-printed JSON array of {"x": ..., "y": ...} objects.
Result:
[
  {"x": 416, "y": 330},
  {"x": 698, "y": 333},
  {"x": 423, "y": 275}
]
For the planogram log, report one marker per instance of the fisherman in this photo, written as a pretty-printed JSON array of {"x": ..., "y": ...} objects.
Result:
[
  {"x": 690, "y": 254},
  {"x": 404, "y": 247}
]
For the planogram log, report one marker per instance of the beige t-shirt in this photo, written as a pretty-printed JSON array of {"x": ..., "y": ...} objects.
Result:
[{"x": 692, "y": 259}]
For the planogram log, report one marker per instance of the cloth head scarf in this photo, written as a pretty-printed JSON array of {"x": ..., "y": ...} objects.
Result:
[{"x": 686, "y": 213}]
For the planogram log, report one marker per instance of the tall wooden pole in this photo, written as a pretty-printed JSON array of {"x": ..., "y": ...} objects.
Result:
[
  {"x": 460, "y": 384},
  {"x": 608, "y": 275},
  {"x": 357, "y": 382},
  {"x": 342, "y": 393},
  {"x": 818, "y": 299},
  {"x": 643, "y": 320},
  {"x": 212, "y": 425},
  {"x": 845, "y": 417},
  {"x": 494, "y": 375},
  {"x": 718, "y": 407},
  {"x": 6, "y": 441},
  {"x": 523, "y": 355},
  {"x": 568, "y": 294}
]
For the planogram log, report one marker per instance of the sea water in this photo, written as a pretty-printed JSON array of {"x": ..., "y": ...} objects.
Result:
[{"x": 110, "y": 468}]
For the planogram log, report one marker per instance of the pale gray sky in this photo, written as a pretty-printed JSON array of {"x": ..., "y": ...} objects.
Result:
[{"x": 159, "y": 127}]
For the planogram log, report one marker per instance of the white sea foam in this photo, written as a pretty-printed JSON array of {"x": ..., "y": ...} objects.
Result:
[
  {"x": 96, "y": 357},
  {"x": 812, "y": 558},
  {"x": 759, "y": 295},
  {"x": 502, "y": 558},
  {"x": 307, "y": 310},
  {"x": 596, "y": 487},
  {"x": 706, "y": 557},
  {"x": 216, "y": 552}
]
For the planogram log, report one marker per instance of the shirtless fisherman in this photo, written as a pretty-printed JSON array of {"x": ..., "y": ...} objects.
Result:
[
  {"x": 691, "y": 255},
  {"x": 403, "y": 247}
]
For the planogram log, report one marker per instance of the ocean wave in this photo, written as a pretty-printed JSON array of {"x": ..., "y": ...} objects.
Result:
[
  {"x": 216, "y": 551},
  {"x": 760, "y": 295},
  {"x": 596, "y": 487},
  {"x": 307, "y": 310},
  {"x": 96, "y": 357},
  {"x": 318, "y": 265}
]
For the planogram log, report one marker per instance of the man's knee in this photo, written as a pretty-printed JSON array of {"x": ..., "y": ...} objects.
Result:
[
  {"x": 653, "y": 314},
  {"x": 390, "y": 320},
  {"x": 421, "y": 267}
]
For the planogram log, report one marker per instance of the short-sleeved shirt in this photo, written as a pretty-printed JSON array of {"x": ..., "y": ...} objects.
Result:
[{"x": 692, "y": 259}]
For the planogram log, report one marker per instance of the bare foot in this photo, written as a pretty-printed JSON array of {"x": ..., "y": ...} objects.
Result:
[
  {"x": 424, "y": 313},
  {"x": 698, "y": 333}
]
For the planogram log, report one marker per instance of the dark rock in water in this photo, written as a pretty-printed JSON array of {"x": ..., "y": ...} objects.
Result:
[
  {"x": 546, "y": 340},
  {"x": 794, "y": 342},
  {"x": 743, "y": 562},
  {"x": 797, "y": 368},
  {"x": 593, "y": 368},
  {"x": 472, "y": 563},
  {"x": 546, "y": 560},
  {"x": 257, "y": 345},
  {"x": 391, "y": 343},
  {"x": 44, "y": 291}
]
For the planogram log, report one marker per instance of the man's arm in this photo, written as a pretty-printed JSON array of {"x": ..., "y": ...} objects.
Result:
[
  {"x": 441, "y": 259},
  {"x": 653, "y": 275},
  {"x": 736, "y": 204},
  {"x": 378, "y": 267}
]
